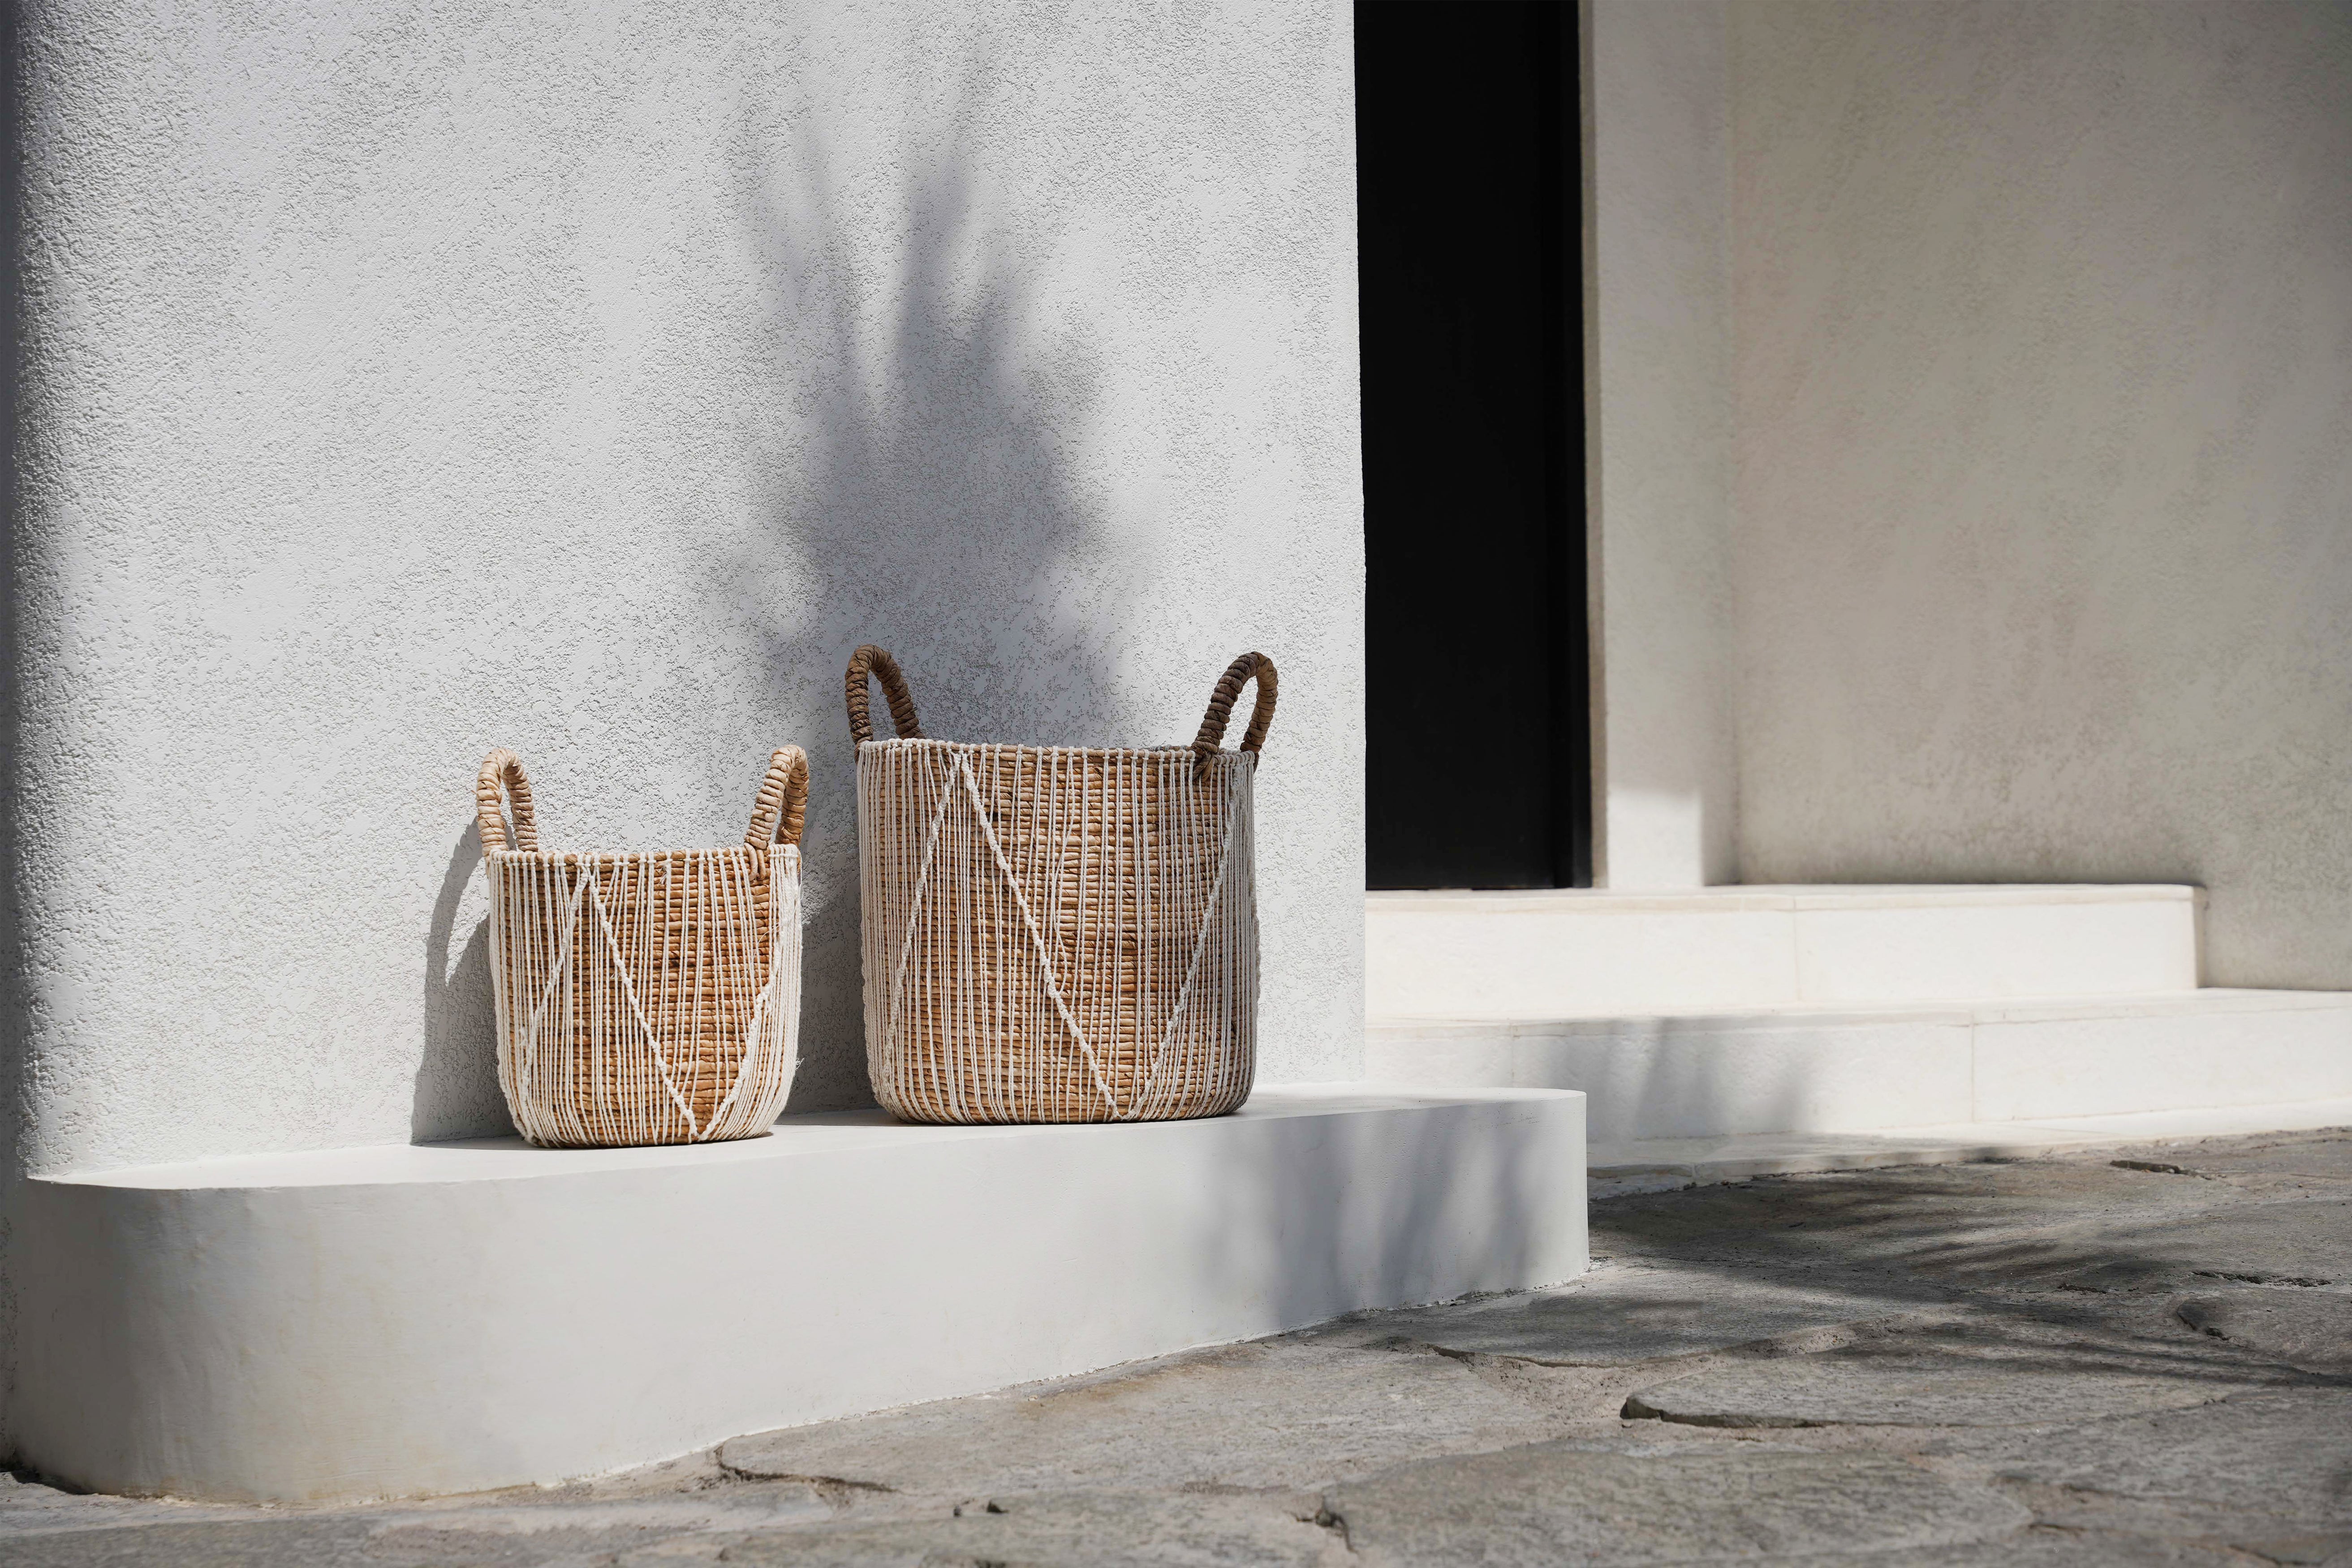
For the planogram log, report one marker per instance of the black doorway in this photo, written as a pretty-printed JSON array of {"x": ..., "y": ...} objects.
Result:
[{"x": 1468, "y": 182}]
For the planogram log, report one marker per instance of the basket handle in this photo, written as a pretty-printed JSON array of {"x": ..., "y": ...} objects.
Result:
[
  {"x": 894, "y": 687},
  {"x": 1240, "y": 673},
  {"x": 502, "y": 771},
  {"x": 782, "y": 805}
]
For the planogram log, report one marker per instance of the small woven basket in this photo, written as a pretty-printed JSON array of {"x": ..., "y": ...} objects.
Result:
[
  {"x": 1054, "y": 933},
  {"x": 650, "y": 996}
]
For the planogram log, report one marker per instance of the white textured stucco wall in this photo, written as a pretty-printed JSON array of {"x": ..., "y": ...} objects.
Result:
[
  {"x": 2044, "y": 442},
  {"x": 1658, "y": 297},
  {"x": 404, "y": 379}
]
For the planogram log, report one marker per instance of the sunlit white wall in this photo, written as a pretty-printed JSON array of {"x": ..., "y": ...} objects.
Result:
[
  {"x": 1658, "y": 299},
  {"x": 2042, "y": 327},
  {"x": 403, "y": 381},
  {"x": 1971, "y": 450}
]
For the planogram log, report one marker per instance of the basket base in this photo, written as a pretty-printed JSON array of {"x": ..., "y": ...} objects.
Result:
[
  {"x": 920, "y": 1115},
  {"x": 650, "y": 1143}
]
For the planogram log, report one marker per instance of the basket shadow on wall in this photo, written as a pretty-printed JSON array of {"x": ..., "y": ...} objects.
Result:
[
  {"x": 923, "y": 501},
  {"x": 914, "y": 404},
  {"x": 456, "y": 1086}
]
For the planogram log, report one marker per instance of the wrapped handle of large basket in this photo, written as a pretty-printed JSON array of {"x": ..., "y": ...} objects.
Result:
[
  {"x": 645, "y": 996},
  {"x": 1056, "y": 934}
]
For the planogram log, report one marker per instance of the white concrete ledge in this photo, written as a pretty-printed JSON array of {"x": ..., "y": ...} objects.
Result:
[
  {"x": 444, "y": 1318},
  {"x": 1589, "y": 953},
  {"x": 1749, "y": 897}
]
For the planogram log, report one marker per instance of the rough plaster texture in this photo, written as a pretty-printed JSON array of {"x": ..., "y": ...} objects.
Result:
[
  {"x": 1659, "y": 296},
  {"x": 405, "y": 380},
  {"x": 2043, "y": 443}
]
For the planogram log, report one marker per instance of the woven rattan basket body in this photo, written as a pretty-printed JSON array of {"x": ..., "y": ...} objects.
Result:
[
  {"x": 648, "y": 996},
  {"x": 1057, "y": 934}
]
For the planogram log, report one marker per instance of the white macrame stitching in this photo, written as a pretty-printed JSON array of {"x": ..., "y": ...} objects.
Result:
[
  {"x": 1128, "y": 869},
  {"x": 551, "y": 993}
]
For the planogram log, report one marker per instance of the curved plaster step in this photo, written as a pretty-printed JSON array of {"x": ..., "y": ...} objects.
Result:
[{"x": 436, "y": 1318}]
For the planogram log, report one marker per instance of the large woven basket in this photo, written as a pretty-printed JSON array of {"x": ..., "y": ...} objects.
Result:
[
  {"x": 1056, "y": 933},
  {"x": 651, "y": 996}
]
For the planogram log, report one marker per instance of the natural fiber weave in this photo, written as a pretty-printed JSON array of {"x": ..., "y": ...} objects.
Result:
[
  {"x": 1053, "y": 933},
  {"x": 650, "y": 996}
]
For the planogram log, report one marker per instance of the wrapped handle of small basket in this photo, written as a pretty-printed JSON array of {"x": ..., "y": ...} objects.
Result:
[
  {"x": 1240, "y": 673},
  {"x": 874, "y": 660},
  {"x": 502, "y": 774},
  {"x": 777, "y": 816}
]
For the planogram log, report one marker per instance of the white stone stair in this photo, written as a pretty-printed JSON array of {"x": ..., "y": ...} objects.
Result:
[
  {"x": 1747, "y": 1012},
  {"x": 1593, "y": 954}
]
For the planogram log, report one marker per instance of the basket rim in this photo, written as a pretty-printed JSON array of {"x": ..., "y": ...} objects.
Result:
[
  {"x": 1223, "y": 753},
  {"x": 602, "y": 856}
]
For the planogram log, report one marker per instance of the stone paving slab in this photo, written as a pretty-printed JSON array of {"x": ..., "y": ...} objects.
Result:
[
  {"x": 2046, "y": 1547},
  {"x": 2309, "y": 1329},
  {"x": 2069, "y": 1362},
  {"x": 529, "y": 1526},
  {"x": 28, "y": 1508},
  {"x": 2305, "y": 1243},
  {"x": 2135, "y": 1336},
  {"x": 2314, "y": 1157},
  {"x": 1558, "y": 1502},
  {"x": 1938, "y": 1221},
  {"x": 1885, "y": 1391},
  {"x": 1048, "y": 1530},
  {"x": 1977, "y": 1226},
  {"x": 1621, "y": 1316},
  {"x": 247, "y": 1542},
  {"x": 1667, "y": 1164},
  {"x": 2284, "y": 1453},
  {"x": 1285, "y": 1413}
]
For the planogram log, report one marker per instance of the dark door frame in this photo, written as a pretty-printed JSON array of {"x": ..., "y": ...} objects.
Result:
[{"x": 1470, "y": 204}]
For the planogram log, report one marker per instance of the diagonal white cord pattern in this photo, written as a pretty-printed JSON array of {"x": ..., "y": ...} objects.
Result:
[
  {"x": 646, "y": 998},
  {"x": 1015, "y": 897}
]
